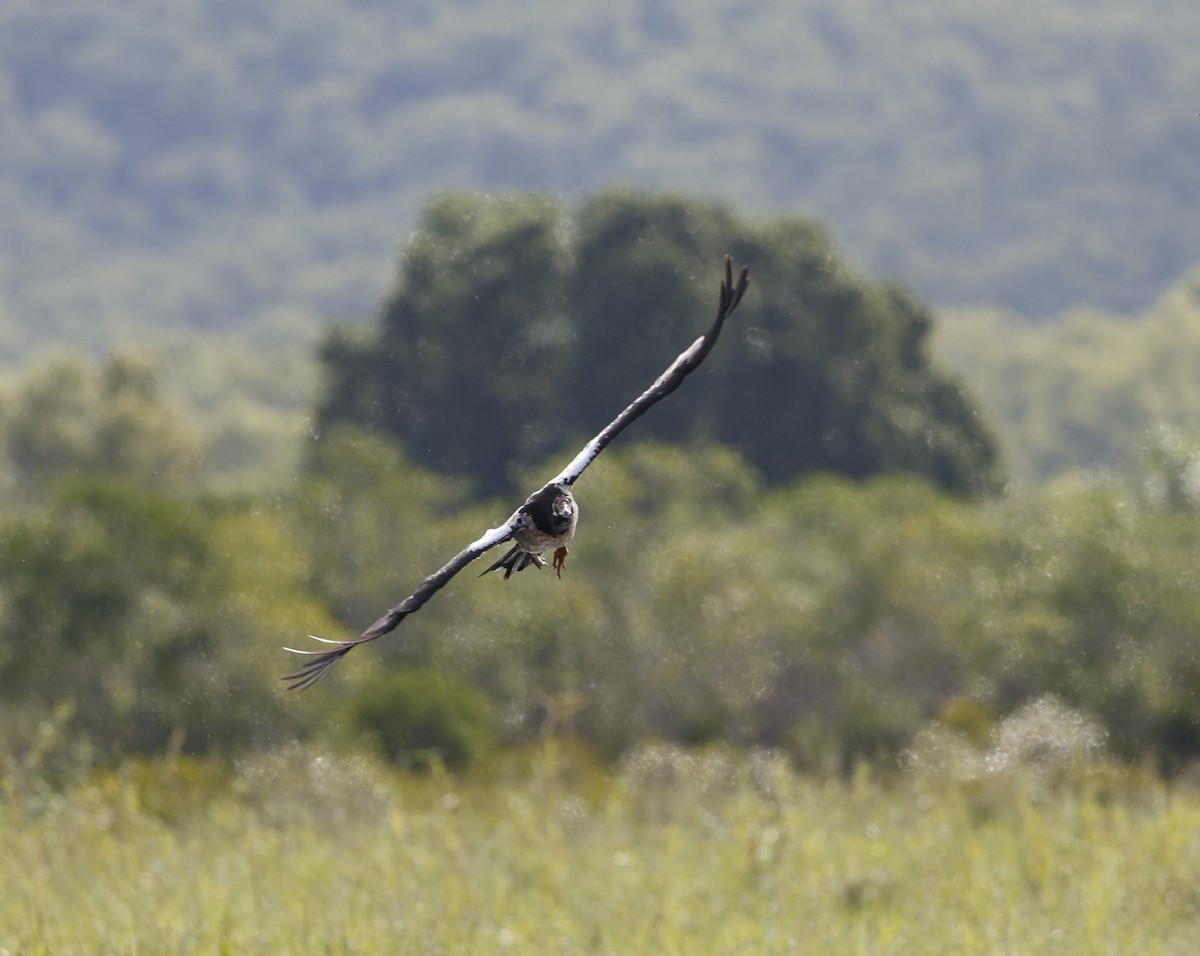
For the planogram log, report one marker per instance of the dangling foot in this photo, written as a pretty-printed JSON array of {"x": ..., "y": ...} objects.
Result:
[{"x": 560, "y": 559}]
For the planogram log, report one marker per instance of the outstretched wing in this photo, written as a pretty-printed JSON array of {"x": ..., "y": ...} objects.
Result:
[
  {"x": 323, "y": 661},
  {"x": 666, "y": 383}
]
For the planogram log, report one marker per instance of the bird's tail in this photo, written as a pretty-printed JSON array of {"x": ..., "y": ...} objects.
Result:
[{"x": 516, "y": 560}]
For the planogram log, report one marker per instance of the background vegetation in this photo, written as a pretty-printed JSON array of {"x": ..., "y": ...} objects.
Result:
[
  {"x": 827, "y": 619},
  {"x": 1010, "y": 676},
  {"x": 795, "y": 684},
  {"x": 1092, "y": 390},
  {"x": 214, "y": 165}
]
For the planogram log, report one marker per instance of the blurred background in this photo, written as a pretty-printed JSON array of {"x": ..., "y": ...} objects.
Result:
[
  {"x": 296, "y": 298},
  {"x": 880, "y": 633}
]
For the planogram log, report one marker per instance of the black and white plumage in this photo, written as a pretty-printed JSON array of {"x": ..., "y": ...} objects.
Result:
[
  {"x": 548, "y": 517},
  {"x": 553, "y": 514}
]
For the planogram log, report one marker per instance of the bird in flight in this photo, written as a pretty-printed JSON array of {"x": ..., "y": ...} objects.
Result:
[{"x": 548, "y": 517}]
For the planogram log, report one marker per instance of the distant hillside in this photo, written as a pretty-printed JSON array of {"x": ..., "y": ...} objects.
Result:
[{"x": 209, "y": 164}]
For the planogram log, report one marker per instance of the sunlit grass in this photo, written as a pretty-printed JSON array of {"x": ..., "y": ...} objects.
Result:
[{"x": 674, "y": 852}]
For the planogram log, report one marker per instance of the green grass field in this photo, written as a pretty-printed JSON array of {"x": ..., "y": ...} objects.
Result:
[{"x": 672, "y": 852}]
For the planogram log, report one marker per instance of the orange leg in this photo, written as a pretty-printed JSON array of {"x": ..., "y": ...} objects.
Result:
[{"x": 560, "y": 559}]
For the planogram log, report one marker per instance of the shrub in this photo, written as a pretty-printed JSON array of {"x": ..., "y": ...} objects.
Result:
[{"x": 422, "y": 717}]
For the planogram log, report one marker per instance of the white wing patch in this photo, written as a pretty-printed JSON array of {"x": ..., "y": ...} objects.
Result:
[
  {"x": 493, "y": 536},
  {"x": 579, "y": 462}
]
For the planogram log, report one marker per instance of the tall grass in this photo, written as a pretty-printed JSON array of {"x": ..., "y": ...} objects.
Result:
[{"x": 674, "y": 852}]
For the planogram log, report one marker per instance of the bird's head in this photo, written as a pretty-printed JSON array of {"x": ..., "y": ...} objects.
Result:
[
  {"x": 553, "y": 509},
  {"x": 563, "y": 506}
]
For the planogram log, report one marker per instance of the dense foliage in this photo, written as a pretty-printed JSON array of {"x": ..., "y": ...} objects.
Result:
[
  {"x": 512, "y": 335},
  {"x": 116, "y": 609},
  {"x": 217, "y": 164},
  {"x": 827, "y": 619}
]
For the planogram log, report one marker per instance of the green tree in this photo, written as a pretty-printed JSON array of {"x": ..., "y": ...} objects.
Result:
[
  {"x": 117, "y": 605},
  {"x": 143, "y": 615},
  {"x": 474, "y": 348},
  {"x": 516, "y": 331},
  {"x": 67, "y": 417}
]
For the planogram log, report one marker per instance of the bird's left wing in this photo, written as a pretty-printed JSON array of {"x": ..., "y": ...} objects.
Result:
[
  {"x": 322, "y": 662},
  {"x": 665, "y": 384}
]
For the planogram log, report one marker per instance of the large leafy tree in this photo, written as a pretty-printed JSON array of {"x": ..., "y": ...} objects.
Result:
[
  {"x": 517, "y": 329},
  {"x": 134, "y": 615},
  {"x": 474, "y": 346},
  {"x": 118, "y": 605}
]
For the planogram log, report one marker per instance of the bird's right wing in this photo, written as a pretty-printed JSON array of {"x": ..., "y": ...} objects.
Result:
[{"x": 323, "y": 661}]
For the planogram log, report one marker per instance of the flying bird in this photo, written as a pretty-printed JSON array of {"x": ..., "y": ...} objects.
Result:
[{"x": 548, "y": 517}]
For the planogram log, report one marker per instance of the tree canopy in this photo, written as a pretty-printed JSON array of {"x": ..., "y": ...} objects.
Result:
[
  {"x": 518, "y": 329},
  {"x": 66, "y": 417}
]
